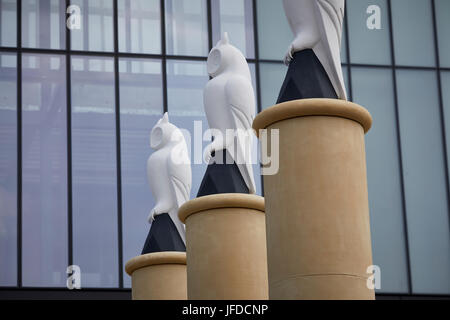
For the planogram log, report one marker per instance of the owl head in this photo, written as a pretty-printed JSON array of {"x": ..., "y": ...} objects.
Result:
[
  {"x": 164, "y": 133},
  {"x": 225, "y": 57}
]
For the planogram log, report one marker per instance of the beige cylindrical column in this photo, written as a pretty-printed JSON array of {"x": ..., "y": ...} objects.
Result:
[
  {"x": 317, "y": 213},
  {"x": 158, "y": 276},
  {"x": 225, "y": 247}
]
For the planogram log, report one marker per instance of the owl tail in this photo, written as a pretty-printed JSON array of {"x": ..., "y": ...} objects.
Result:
[{"x": 180, "y": 226}]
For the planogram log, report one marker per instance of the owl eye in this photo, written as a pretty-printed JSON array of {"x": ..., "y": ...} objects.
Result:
[
  {"x": 214, "y": 61},
  {"x": 156, "y": 138}
]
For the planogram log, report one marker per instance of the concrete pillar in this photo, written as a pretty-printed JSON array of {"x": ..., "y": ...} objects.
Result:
[
  {"x": 158, "y": 276},
  {"x": 317, "y": 213},
  {"x": 225, "y": 247}
]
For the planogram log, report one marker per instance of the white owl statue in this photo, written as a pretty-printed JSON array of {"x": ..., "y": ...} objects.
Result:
[
  {"x": 169, "y": 171},
  {"x": 317, "y": 25},
  {"x": 229, "y": 103}
]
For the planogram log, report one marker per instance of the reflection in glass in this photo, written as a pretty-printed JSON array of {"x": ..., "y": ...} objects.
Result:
[
  {"x": 139, "y": 26},
  {"x": 43, "y": 24},
  {"x": 186, "y": 27},
  {"x": 272, "y": 77},
  {"x": 443, "y": 26},
  {"x": 368, "y": 45},
  {"x": 94, "y": 171},
  {"x": 236, "y": 18},
  {"x": 425, "y": 184},
  {"x": 412, "y": 25},
  {"x": 141, "y": 106},
  {"x": 8, "y": 169},
  {"x": 97, "y": 31},
  {"x": 185, "y": 83},
  {"x": 373, "y": 89},
  {"x": 274, "y": 33},
  {"x": 44, "y": 171},
  {"x": 8, "y": 23}
]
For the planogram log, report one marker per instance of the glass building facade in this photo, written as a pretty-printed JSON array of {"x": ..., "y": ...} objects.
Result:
[{"x": 77, "y": 106}]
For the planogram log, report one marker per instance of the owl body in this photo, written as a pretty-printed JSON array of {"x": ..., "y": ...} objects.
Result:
[
  {"x": 229, "y": 104},
  {"x": 215, "y": 103},
  {"x": 157, "y": 171},
  {"x": 317, "y": 25},
  {"x": 169, "y": 172}
]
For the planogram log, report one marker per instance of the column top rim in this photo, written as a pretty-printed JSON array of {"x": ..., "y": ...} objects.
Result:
[
  {"x": 313, "y": 107},
  {"x": 221, "y": 200}
]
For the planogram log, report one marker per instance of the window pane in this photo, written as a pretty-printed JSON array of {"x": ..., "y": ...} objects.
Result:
[
  {"x": 186, "y": 27},
  {"x": 274, "y": 33},
  {"x": 443, "y": 26},
  {"x": 97, "y": 31},
  {"x": 373, "y": 89},
  {"x": 272, "y": 77},
  {"x": 185, "y": 83},
  {"x": 368, "y": 45},
  {"x": 8, "y": 169},
  {"x": 43, "y": 24},
  {"x": 8, "y": 23},
  {"x": 95, "y": 242},
  {"x": 141, "y": 106},
  {"x": 413, "y": 32},
  {"x": 139, "y": 26},
  {"x": 44, "y": 175},
  {"x": 236, "y": 18},
  {"x": 425, "y": 189}
]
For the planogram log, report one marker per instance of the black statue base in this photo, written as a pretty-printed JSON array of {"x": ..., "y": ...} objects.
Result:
[
  {"x": 163, "y": 236},
  {"x": 222, "y": 177},
  {"x": 306, "y": 78}
]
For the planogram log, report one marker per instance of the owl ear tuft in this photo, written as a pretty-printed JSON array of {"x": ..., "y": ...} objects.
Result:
[
  {"x": 225, "y": 39},
  {"x": 165, "y": 118}
]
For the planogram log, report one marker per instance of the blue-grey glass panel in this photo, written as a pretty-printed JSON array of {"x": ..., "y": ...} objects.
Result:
[
  {"x": 139, "y": 26},
  {"x": 44, "y": 171},
  {"x": 43, "y": 24},
  {"x": 236, "y": 18},
  {"x": 274, "y": 33},
  {"x": 272, "y": 77},
  {"x": 425, "y": 184},
  {"x": 95, "y": 243},
  {"x": 185, "y": 83},
  {"x": 8, "y": 23},
  {"x": 186, "y": 27},
  {"x": 373, "y": 89},
  {"x": 371, "y": 46},
  {"x": 8, "y": 169},
  {"x": 347, "y": 85},
  {"x": 443, "y": 27},
  {"x": 412, "y": 25},
  {"x": 97, "y": 31},
  {"x": 141, "y": 106}
]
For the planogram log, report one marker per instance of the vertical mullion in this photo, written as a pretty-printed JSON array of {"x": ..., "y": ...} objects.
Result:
[
  {"x": 347, "y": 47},
  {"x": 209, "y": 18},
  {"x": 397, "y": 120},
  {"x": 257, "y": 72},
  {"x": 118, "y": 146},
  {"x": 19, "y": 143},
  {"x": 69, "y": 144},
  {"x": 441, "y": 103},
  {"x": 163, "y": 53}
]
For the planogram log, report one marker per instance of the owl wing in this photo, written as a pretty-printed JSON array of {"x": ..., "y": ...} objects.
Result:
[
  {"x": 180, "y": 179},
  {"x": 328, "y": 50},
  {"x": 241, "y": 103}
]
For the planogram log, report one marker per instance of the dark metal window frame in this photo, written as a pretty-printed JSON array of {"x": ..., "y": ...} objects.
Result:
[{"x": 164, "y": 57}]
